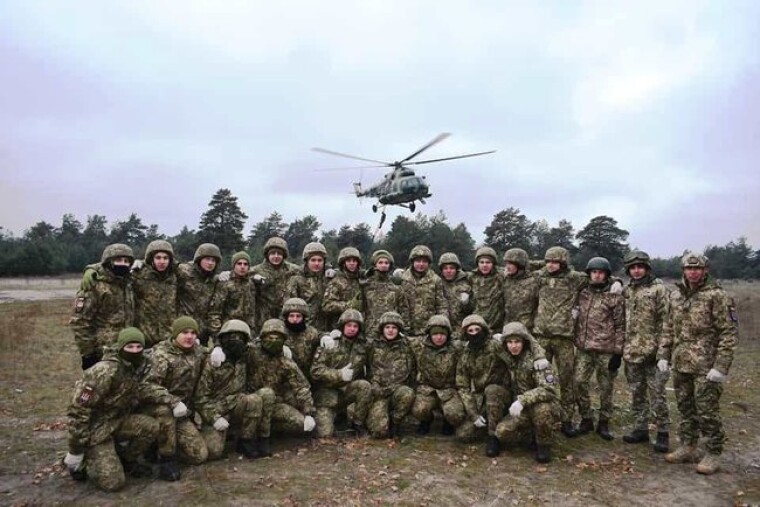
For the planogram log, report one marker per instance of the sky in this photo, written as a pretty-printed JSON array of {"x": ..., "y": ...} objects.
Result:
[{"x": 646, "y": 111}]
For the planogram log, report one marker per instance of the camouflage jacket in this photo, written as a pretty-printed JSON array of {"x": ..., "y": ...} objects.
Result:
[
  {"x": 527, "y": 384},
  {"x": 600, "y": 326},
  {"x": 426, "y": 297},
  {"x": 390, "y": 365},
  {"x": 477, "y": 369},
  {"x": 557, "y": 296},
  {"x": 436, "y": 367},
  {"x": 343, "y": 292},
  {"x": 101, "y": 312},
  {"x": 646, "y": 308},
  {"x": 382, "y": 295},
  {"x": 196, "y": 294},
  {"x": 219, "y": 389},
  {"x": 176, "y": 370},
  {"x": 280, "y": 374},
  {"x": 235, "y": 299},
  {"x": 155, "y": 303},
  {"x": 325, "y": 369},
  {"x": 107, "y": 393},
  {"x": 303, "y": 345},
  {"x": 459, "y": 310},
  {"x": 521, "y": 298},
  {"x": 488, "y": 295},
  {"x": 311, "y": 288},
  {"x": 701, "y": 329},
  {"x": 272, "y": 292}
]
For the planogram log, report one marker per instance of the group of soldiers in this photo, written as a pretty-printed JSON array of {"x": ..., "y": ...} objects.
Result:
[{"x": 180, "y": 358}]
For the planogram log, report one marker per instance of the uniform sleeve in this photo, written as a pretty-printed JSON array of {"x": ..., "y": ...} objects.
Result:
[
  {"x": 209, "y": 406},
  {"x": 325, "y": 375},
  {"x": 157, "y": 368},
  {"x": 83, "y": 321},
  {"x": 441, "y": 301},
  {"x": 216, "y": 309},
  {"x": 464, "y": 387},
  {"x": 665, "y": 347},
  {"x": 725, "y": 323},
  {"x": 88, "y": 394},
  {"x": 618, "y": 320},
  {"x": 333, "y": 303},
  {"x": 300, "y": 387},
  {"x": 545, "y": 390}
]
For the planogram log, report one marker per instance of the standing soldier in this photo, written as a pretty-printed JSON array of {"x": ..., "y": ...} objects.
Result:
[
  {"x": 599, "y": 336},
  {"x": 302, "y": 338},
  {"x": 310, "y": 283},
  {"x": 105, "y": 308},
  {"x": 198, "y": 285},
  {"x": 488, "y": 288},
  {"x": 338, "y": 376},
  {"x": 155, "y": 288},
  {"x": 271, "y": 278},
  {"x": 646, "y": 307},
  {"x": 381, "y": 295},
  {"x": 236, "y": 297},
  {"x": 520, "y": 288},
  {"x": 699, "y": 339},
  {"x": 344, "y": 291},
  {"x": 424, "y": 290},
  {"x": 458, "y": 290}
]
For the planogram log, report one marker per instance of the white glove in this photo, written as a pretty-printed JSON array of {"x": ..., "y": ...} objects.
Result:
[
  {"x": 137, "y": 265},
  {"x": 715, "y": 376},
  {"x": 180, "y": 410},
  {"x": 616, "y": 287},
  {"x": 397, "y": 273},
  {"x": 329, "y": 273},
  {"x": 480, "y": 422},
  {"x": 257, "y": 278},
  {"x": 223, "y": 276},
  {"x": 347, "y": 373},
  {"x": 464, "y": 297},
  {"x": 497, "y": 337},
  {"x": 541, "y": 364},
  {"x": 73, "y": 461},
  {"x": 575, "y": 312},
  {"x": 516, "y": 408},
  {"x": 335, "y": 334},
  {"x": 662, "y": 365},
  {"x": 217, "y": 357},
  {"x": 286, "y": 352},
  {"x": 309, "y": 423},
  {"x": 221, "y": 424},
  {"x": 327, "y": 342}
]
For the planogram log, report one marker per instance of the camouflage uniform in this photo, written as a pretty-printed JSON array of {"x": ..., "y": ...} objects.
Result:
[
  {"x": 197, "y": 288},
  {"x": 333, "y": 394},
  {"x": 272, "y": 291},
  {"x": 488, "y": 291},
  {"x": 234, "y": 299},
  {"x": 700, "y": 334},
  {"x": 454, "y": 290},
  {"x": 102, "y": 311},
  {"x": 302, "y": 343},
  {"x": 391, "y": 371},
  {"x": 155, "y": 295},
  {"x": 381, "y": 295},
  {"x": 424, "y": 291},
  {"x": 311, "y": 286},
  {"x": 344, "y": 291},
  {"x": 520, "y": 290},
  {"x": 437, "y": 366}
]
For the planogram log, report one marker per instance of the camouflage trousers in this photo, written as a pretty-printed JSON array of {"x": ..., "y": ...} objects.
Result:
[
  {"x": 386, "y": 408},
  {"x": 354, "y": 399},
  {"x": 285, "y": 419},
  {"x": 562, "y": 350},
  {"x": 535, "y": 420},
  {"x": 177, "y": 436},
  {"x": 587, "y": 363},
  {"x": 495, "y": 398},
  {"x": 699, "y": 404},
  {"x": 647, "y": 386},
  {"x": 448, "y": 401},
  {"x": 133, "y": 437},
  {"x": 245, "y": 419}
]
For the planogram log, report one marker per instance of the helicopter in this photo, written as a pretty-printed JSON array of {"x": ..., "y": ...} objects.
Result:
[{"x": 401, "y": 186}]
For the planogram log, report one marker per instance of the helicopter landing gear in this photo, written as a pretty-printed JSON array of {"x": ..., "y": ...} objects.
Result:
[
  {"x": 412, "y": 207},
  {"x": 374, "y": 208}
]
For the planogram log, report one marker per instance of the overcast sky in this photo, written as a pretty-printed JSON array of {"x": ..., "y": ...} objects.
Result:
[{"x": 647, "y": 111}]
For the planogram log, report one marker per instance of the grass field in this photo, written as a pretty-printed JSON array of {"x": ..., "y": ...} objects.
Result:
[{"x": 39, "y": 365}]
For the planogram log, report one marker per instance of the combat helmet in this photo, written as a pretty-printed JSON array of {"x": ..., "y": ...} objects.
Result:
[
  {"x": 312, "y": 249},
  {"x": 637, "y": 257},
  {"x": 381, "y": 254},
  {"x": 350, "y": 315},
  {"x": 236, "y": 326},
  {"x": 295, "y": 305},
  {"x": 516, "y": 329},
  {"x": 558, "y": 254},
  {"x": 390, "y": 318},
  {"x": 275, "y": 242},
  {"x": 438, "y": 321},
  {"x": 208, "y": 250},
  {"x": 598, "y": 263},
  {"x": 347, "y": 253},
  {"x": 117, "y": 250},
  {"x": 485, "y": 251},
  {"x": 474, "y": 319},
  {"x": 517, "y": 256},
  {"x": 421, "y": 251},
  {"x": 449, "y": 258},
  {"x": 274, "y": 326},
  {"x": 693, "y": 260},
  {"x": 159, "y": 245}
]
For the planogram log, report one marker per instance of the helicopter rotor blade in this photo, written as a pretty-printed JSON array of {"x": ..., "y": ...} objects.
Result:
[
  {"x": 351, "y": 168},
  {"x": 450, "y": 158},
  {"x": 346, "y": 155},
  {"x": 436, "y": 140}
]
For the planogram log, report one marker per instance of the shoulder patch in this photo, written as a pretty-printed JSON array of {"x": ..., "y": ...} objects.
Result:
[
  {"x": 86, "y": 395},
  {"x": 732, "y": 314},
  {"x": 79, "y": 304},
  {"x": 550, "y": 379}
]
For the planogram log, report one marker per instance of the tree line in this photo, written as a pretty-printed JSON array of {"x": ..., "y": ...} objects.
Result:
[{"x": 46, "y": 249}]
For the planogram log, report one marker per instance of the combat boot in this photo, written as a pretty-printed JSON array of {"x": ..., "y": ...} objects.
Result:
[
  {"x": 247, "y": 447},
  {"x": 585, "y": 427},
  {"x": 79, "y": 475},
  {"x": 709, "y": 464},
  {"x": 265, "y": 447},
  {"x": 603, "y": 429},
  {"x": 662, "y": 444},
  {"x": 636, "y": 437},
  {"x": 493, "y": 447},
  {"x": 448, "y": 429},
  {"x": 568, "y": 430},
  {"x": 137, "y": 470},
  {"x": 542, "y": 453},
  {"x": 423, "y": 428},
  {"x": 359, "y": 430},
  {"x": 685, "y": 454},
  {"x": 168, "y": 468}
]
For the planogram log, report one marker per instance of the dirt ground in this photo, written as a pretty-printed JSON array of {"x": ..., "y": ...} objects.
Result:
[{"x": 39, "y": 365}]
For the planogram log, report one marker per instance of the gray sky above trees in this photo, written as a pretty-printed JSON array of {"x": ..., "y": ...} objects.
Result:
[{"x": 643, "y": 111}]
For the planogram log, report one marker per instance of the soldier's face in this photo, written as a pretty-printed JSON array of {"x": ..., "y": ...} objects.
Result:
[
  {"x": 694, "y": 275},
  {"x": 473, "y": 329},
  {"x": 598, "y": 276},
  {"x": 553, "y": 266},
  {"x": 515, "y": 346},
  {"x": 275, "y": 256},
  {"x": 351, "y": 329},
  {"x": 439, "y": 339},
  {"x": 161, "y": 261},
  {"x": 421, "y": 264},
  {"x": 208, "y": 264},
  {"x": 241, "y": 267},
  {"x": 351, "y": 264},
  {"x": 315, "y": 263},
  {"x": 295, "y": 317},
  {"x": 133, "y": 347},
  {"x": 390, "y": 332},
  {"x": 186, "y": 339},
  {"x": 637, "y": 271},
  {"x": 511, "y": 269},
  {"x": 485, "y": 265},
  {"x": 383, "y": 265},
  {"x": 449, "y": 271},
  {"x": 121, "y": 261}
]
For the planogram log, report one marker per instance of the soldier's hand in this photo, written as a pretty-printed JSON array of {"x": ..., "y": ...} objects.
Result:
[
  {"x": 224, "y": 276},
  {"x": 497, "y": 337},
  {"x": 662, "y": 365},
  {"x": 616, "y": 287},
  {"x": 464, "y": 297},
  {"x": 347, "y": 373},
  {"x": 615, "y": 362},
  {"x": 73, "y": 461},
  {"x": 221, "y": 424},
  {"x": 286, "y": 352},
  {"x": 327, "y": 342},
  {"x": 137, "y": 265},
  {"x": 89, "y": 278},
  {"x": 575, "y": 312},
  {"x": 480, "y": 422},
  {"x": 258, "y": 279},
  {"x": 541, "y": 364},
  {"x": 516, "y": 408},
  {"x": 330, "y": 273},
  {"x": 715, "y": 376},
  {"x": 217, "y": 357},
  {"x": 180, "y": 410},
  {"x": 309, "y": 423},
  {"x": 397, "y": 273}
]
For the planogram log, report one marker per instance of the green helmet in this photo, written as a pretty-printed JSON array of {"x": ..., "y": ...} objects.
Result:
[
  {"x": 312, "y": 249},
  {"x": 208, "y": 250},
  {"x": 117, "y": 250},
  {"x": 156, "y": 246},
  {"x": 598, "y": 263},
  {"x": 421, "y": 251},
  {"x": 517, "y": 256},
  {"x": 637, "y": 257},
  {"x": 236, "y": 326},
  {"x": 390, "y": 318},
  {"x": 516, "y": 329},
  {"x": 350, "y": 315},
  {"x": 485, "y": 251},
  {"x": 449, "y": 258},
  {"x": 381, "y": 254},
  {"x": 438, "y": 321},
  {"x": 474, "y": 319},
  {"x": 558, "y": 254},
  {"x": 274, "y": 326},
  {"x": 347, "y": 253},
  {"x": 295, "y": 305},
  {"x": 693, "y": 260},
  {"x": 276, "y": 242}
]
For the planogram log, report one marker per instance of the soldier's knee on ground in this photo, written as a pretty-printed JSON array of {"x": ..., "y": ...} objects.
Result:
[
  {"x": 214, "y": 442},
  {"x": 466, "y": 432},
  {"x": 507, "y": 429},
  {"x": 104, "y": 467}
]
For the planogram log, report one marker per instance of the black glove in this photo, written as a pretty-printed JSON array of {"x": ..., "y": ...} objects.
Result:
[
  {"x": 90, "y": 360},
  {"x": 614, "y": 364}
]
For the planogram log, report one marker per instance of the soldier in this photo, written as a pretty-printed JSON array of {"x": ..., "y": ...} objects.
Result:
[
  {"x": 100, "y": 418},
  {"x": 293, "y": 409},
  {"x": 198, "y": 285},
  {"x": 338, "y": 376},
  {"x": 106, "y": 307},
  {"x": 176, "y": 365},
  {"x": 222, "y": 403},
  {"x": 646, "y": 305},
  {"x": 424, "y": 290},
  {"x": 236, "y": 297},
  {"x": 310, "y": 283},
  {"x": 381, "y": 295},
  {"x": 344, "y": 291},
  {"x": 599, "y": 337},
  {"x": 437, "y": 356},
  {"x": 520, "y": 288},
  {"x": 458, "y": 290},
  {"x": 480, "y": 380},
  {"x": 302, "y": 339},
  {"x": 271, "y": 278},
  {"x": 533, "y": 394},
  {"x": 488, "y": 288},
  {"x": 699, "y": 338},
  {"x": 391, "y": 371}
]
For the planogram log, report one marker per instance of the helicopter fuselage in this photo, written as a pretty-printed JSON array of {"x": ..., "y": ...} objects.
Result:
[{"x": 399, "y": 187}]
